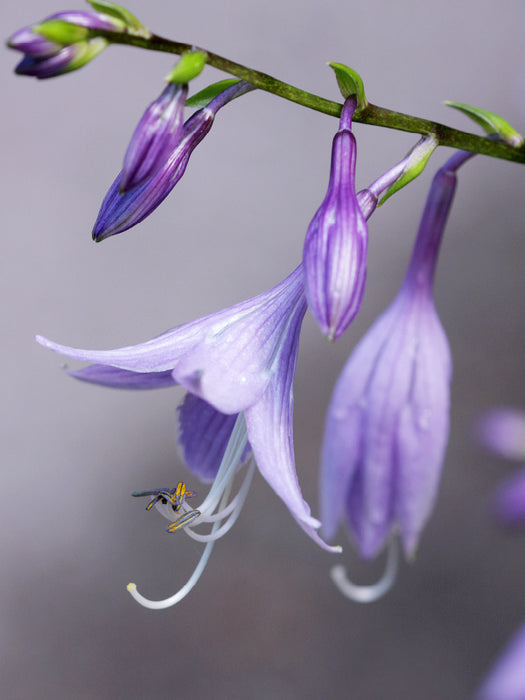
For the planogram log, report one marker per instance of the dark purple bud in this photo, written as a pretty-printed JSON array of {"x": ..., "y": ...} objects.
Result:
[
  {"x": 65, "y": 60},
  {"x": 47, "y": 66},
  {"x": 120, "y": 212},
  {"x": 155, "y": 137}
]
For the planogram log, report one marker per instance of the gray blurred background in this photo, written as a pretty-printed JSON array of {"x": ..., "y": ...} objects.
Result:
[{"x": 265, "y": 620}]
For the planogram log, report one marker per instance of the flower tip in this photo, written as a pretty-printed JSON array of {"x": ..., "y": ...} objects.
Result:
[
  {"x": 42, "y": 341},
  {"x": 131, "y": 587},
  {"x": 99, "y": 234}
]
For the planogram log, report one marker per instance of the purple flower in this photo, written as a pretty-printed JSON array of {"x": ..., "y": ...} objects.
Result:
[
  {"x": 155, "y": 138},
  {"x": 46, "y": 58},
  {"x": 239, "y": 360},
  {"x": 121, "y": 211},
  {"x": 506, "y": 680},
  {"x": 502, "y": 430},
  {"x": 336, "y": 243},
  {"x": 387, "y": 423}
]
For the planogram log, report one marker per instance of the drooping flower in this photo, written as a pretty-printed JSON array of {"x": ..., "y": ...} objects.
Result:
[
  {"x": 387, "y": 423},
  {"x": 336, "y": 242},
  {"x": 506, "y": 680},
  {"x": 155, "y": 137},
  {"x": 502, "y": 430},
  {"x": 122, "y": 210},
  {"x": 46, "y": 58},
  {"x": 225, "y": 439},
  {"x": 239, "y": 360}
]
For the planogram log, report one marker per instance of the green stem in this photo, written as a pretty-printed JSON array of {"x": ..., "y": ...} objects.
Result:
[{"x": 377, "y": 116}]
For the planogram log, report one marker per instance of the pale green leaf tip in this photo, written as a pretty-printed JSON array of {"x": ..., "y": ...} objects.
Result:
[
  {"x": 131, "y": 23},
  {"x": 491, "y": 123},
  {"x": 350, "y": 83},
  {"x": 206, "y": 95},
  {"x": 417, "y": 160},
  {"x": 189, "y": 67}
]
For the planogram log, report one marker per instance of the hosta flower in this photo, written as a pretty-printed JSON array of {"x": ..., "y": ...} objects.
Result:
[
  {"x": 47, "y": 58},
  {"x": 387, "y": 423},
  {"x": 336, "y": 243},
  {"x": 239, "y": 360},
  {"x": 122, "y": 210},
  {"x": 506, "y": 680},
  {"x": 503, "y": 431}
]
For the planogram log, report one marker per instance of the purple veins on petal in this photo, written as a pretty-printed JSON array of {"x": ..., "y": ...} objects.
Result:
[
  {"x": 336, "y": 242},
  {"x": 387, "y": 424},
  {"x": 204, "y": 434},
  {"x": 121, "y": 211},
  {"x": 155, "y": 137},
  {"x": 240, "y": 359}
]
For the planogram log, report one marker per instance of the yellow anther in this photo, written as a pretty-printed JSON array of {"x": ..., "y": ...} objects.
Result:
[{"x": 183, "y": 520}]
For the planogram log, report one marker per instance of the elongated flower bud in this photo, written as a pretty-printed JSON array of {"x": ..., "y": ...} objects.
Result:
[
  {"x": 155, "y": 137},
  {"x": 120, "y": 211},
  {"x": 336, "y": 243}
]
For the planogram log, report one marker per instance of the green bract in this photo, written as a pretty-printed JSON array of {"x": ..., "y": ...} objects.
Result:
[
  {"x": 60, "y": 32},
  {"x": 188, "y": 67},
  {"x": 133, "y": 25},
  {"x": 490, "y": 122},
  {"x": 205, "y": 96},
  {"x": 86, "y": 51},
  {"x": 417, "y": 160},
  {"x": 350, "y": 83}
]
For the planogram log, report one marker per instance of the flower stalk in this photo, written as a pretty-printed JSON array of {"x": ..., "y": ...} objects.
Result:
[{"x": 371, "y": 114}]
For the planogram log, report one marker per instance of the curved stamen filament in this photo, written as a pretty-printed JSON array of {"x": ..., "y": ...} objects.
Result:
[
  {"x": 219, "y": 517},
  {"x": 368, "y": 594},
  {"x": 228, "y": 466},
  {"x": 217, "y": 496}
]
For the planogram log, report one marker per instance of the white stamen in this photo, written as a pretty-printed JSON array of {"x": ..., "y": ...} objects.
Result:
[
  {"x": 217, "y": 496},
  {"x": 224, "y": 527},
  {"x": 368, "y": 594}
]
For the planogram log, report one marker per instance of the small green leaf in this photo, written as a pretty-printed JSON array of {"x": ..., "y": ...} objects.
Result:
[
  {"x": 350, "y": 83},
  {"x": 205, "y": 96},
  {"x": 134, "y": 26},
  {"x": 417, "y": 159},
  {"x": 189, "y": 66},
  {"x": 490, "y": 122},
  {"x": 60, "y": 32}
]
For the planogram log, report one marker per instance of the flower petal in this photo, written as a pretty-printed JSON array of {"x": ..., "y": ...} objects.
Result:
[
  {"x": 203, "y": 436},
  {"x": 503, "y": 431},
  {"x": 506, "y": 680},
  {"x": 509, "y": 500},
  {"x": 423, "y": 429},
  {"x": 113, "y": 377},
  {"x": 270, "y": 432}
]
